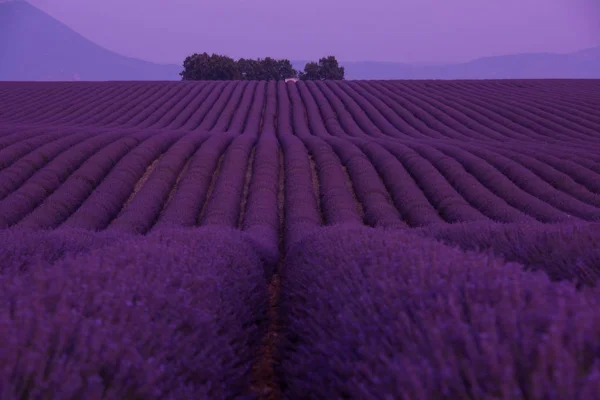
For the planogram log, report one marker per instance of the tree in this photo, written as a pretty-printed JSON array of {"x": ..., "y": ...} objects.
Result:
[
  {"x": 327, "y": 68},
  {"x": 286, "y": 69},
  {"x": 209, "y": 67},
  {"x": 311, "y": 72},
  {"x": 249, "y": 69},
  {"x": 218, "y": 67},
  {"x": 266, "y": 69}
]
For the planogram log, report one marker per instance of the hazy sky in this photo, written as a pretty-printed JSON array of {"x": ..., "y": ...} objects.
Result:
[{"x": 378, "y": 30}]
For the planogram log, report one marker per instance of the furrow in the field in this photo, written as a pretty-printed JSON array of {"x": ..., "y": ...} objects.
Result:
[
  {"x": 580, "y": 174},
  {"x": 158, "y": 114},
  {"x": 179, "y": 106},
  {"x": 253, "y": 122},
  {"x": 485, "y": 198},
  {"x": 559, "y": 108},
  {"x": 114, "y": 105},
  {"x": 107, "y": 199},
  {"x": 369, "y": 124},
  {"x": 314, "y": 114},
  {"x": 523, "y": 123},
  {"x": 16, "y": 136},
  {"x": 536, "y": 186},
  {"x": 49, "y": 178},
  {"x": 141, "y": 182},
  {"x": 314, "y": 177},
  {"x": 414, "y": 116},
  {"x": 246, "y": 187},
  {"x": 190, "y": 108},
  {"x": 73, "y": 109},
  {"x": 399, "y": 116},
  {"x": 299, "y": 117},
  {"x": 21, "y": 108},
  {"x": 330, "y": 118},
  {"x": 14, "y": 175},
  {"x": 535, "y": 119},
  {"x": 501, "y": 186},
  {"x": 152, "y": 191},
  {"x": 185, "y": 205},
  {"x": 391, "y": 123},
  {"x": 343, "y": 115},
  {"x": 12, "y": 100},
  {"x": 240, "y": 114},
  {"x": 162, "y": 90},
  {"x": 203, "y": 108},
  {"x": 223, "y": 205},
  {"x": 213, "y": 115},
  {"x": 260, "y": 216},
  {"x": 441, "y": 116},
  {"x": 450, "y": 205},
  {"x": 408, "y": 198},
  {"x": 147, "y": 114},
  {"x": 473, "y": 117},
  {"x": 230, "y": 108},
  {"x": 211, "y": 186},
  {"x": 284, "y": 110},
  {"x": 38, "y": 108},
  {"x": 117, "y": 106},
  {"x": 80, "y": 185},
  {"x": 129, "y": 106},
  {"x": 269, "y": 123},
  {"x": 552, "y": 176},
  {"x": 562, "y": 150},
  {"x": 126, "y": 106},
  {"x": 370, "y": 190},
  {"x": 523, "y": 109},
  {"x": 333, "y": 188},
  {"x": 301, "y": 208},
  {"x": 569, "y": 103}
]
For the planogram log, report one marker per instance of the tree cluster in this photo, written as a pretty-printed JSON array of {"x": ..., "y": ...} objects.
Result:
[{"x": 201, "y": 67}]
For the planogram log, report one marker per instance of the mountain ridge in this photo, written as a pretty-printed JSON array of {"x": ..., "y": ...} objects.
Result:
[
  {"x": 32, "y": 36},
  {"x": 67, "y": 55}
]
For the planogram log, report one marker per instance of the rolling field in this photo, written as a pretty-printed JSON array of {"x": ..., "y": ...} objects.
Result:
[{"x": 310, "y": 240}]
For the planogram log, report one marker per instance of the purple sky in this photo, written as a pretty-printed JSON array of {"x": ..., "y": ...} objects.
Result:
[{"x": 167, "y": 31}]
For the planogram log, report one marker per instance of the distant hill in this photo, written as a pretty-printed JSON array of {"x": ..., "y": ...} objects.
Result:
[
  {"x": 34, "y": 46},
  {"x": 583, "y": 64}
]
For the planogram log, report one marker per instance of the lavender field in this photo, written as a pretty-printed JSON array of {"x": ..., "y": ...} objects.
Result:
[{"x": 310, "y": 240}]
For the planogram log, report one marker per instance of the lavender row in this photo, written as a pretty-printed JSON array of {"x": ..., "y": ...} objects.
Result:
[
  {"x": 108, "y": 197},
  {"x": 142, "y": 210},
  {"x": 338, "y": 202},
  {"x": 261, "y": 219},
  {"x": 302, "y": 211},
  {"x": 367, "y": 314},
  {"x": 61, "y": 204},
  {"x": 186, "y": 200},
  {"x": 49, "y": 178},
  {"x": 13, "y": 176},
  {"x": 178, "y": 314},
  {"x": 568, "y": 251},
  {"x": 224, "y": 206},
  {"x": 369, "y": 189}
]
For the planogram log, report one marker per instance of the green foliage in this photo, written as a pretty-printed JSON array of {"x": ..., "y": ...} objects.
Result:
[
  {"x": 218, "y": 67},
  {"x": 326, "y": 69},
  {"x": 202, "y": 67}
]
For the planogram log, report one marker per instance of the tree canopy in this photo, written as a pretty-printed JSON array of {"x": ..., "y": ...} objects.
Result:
[
  {"x": 326, "y": 69},
  {"x": 219, "y": 67}
]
